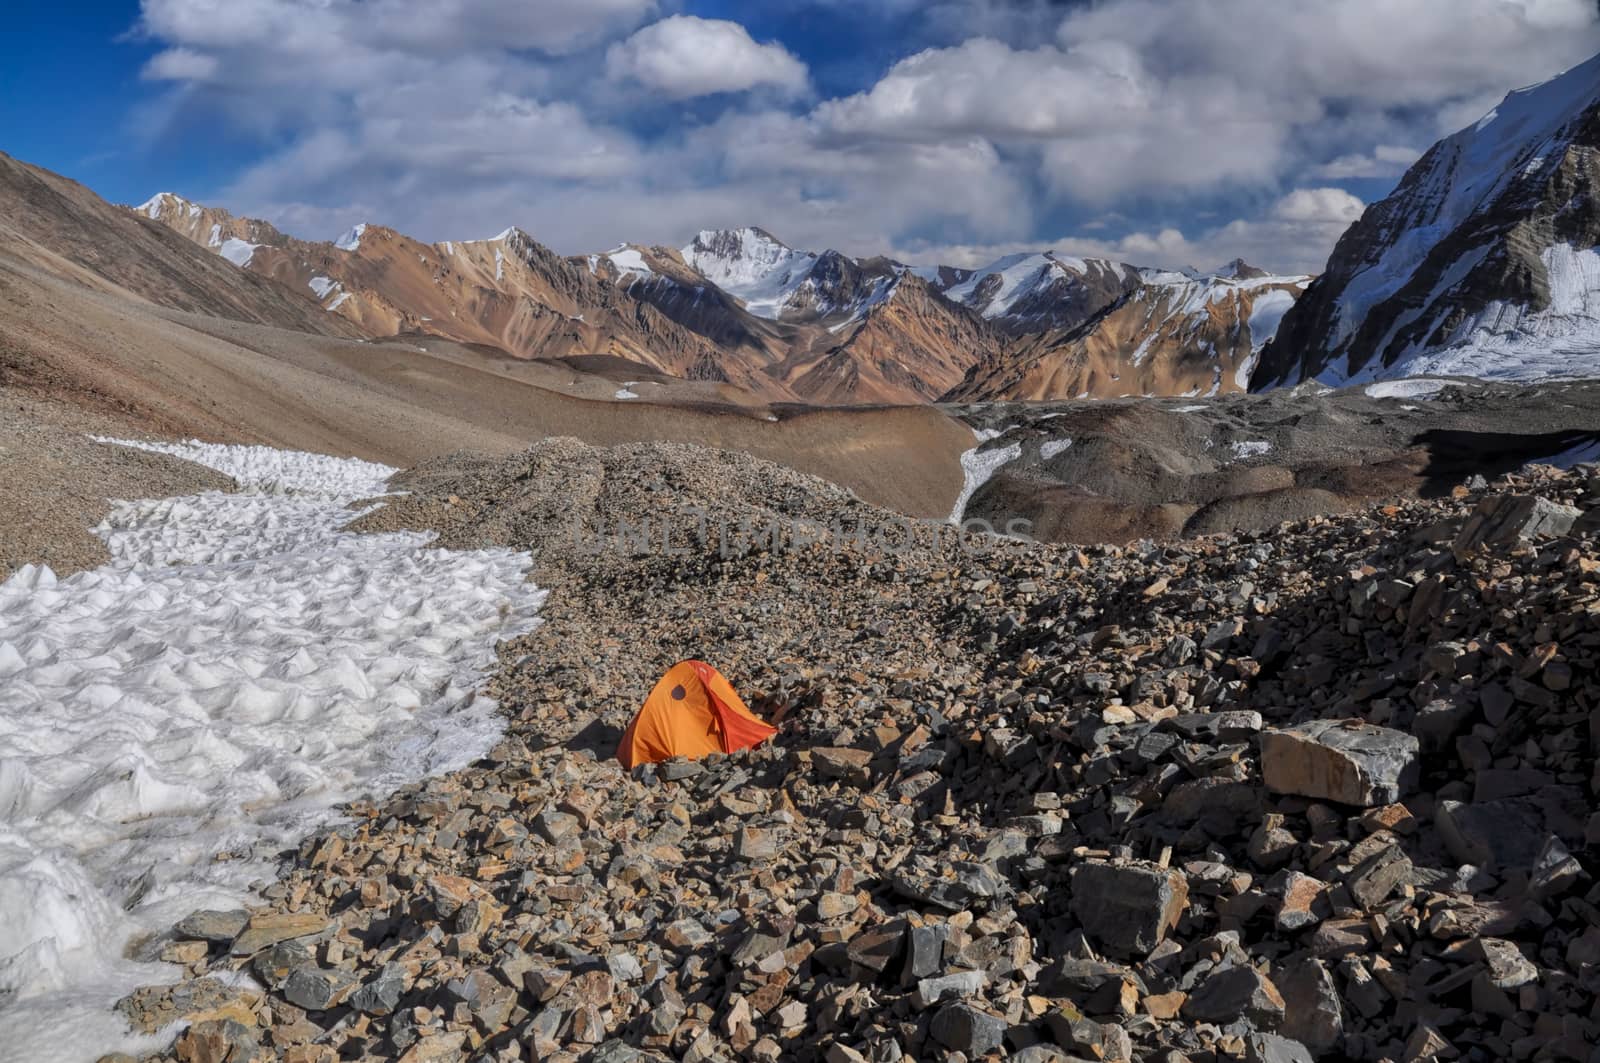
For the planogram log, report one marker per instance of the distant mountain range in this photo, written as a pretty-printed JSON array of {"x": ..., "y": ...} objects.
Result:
[
  {"x": 1482, "y": 262},
  {"x": 741, "y": 307}
]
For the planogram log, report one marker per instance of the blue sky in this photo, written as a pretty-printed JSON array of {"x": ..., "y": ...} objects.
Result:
[{"x": 1159, "y": 131}]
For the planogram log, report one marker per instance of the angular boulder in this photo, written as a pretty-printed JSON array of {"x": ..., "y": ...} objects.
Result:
[
  {"x": 1128, "y": 907},
  {"x": 1345, "y": 761},
  {"x": 1503, "y": 519}
]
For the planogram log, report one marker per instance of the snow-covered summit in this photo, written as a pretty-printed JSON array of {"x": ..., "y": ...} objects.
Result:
[
  {"x": 751, "y": 265},
  {"x": 156, "y": 206},
  {"x": 351, "y": 241},
  {"x": 1481, "y": 263},
  {"x": 1042, "y": 290}
]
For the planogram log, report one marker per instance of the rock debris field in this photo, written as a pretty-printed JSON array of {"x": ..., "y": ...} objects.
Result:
[{"x": 1323, "y": 792}]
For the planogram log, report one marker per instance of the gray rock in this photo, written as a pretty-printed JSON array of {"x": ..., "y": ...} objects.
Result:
[
  {"x": 318, "y": 989},
  {"x": 381, "y": 993},
  {"x": 1378, "y": 876},
  {"x": 1270, "y": 1048},
  {"x": 924, "y": 952},
  {"x": 1128, "y": 908},
  {"x": 1346, "y": 761},
  {"x": 1236, "y": 993},
  {"x": 963, "y": 1028},
  {"x": 958, "y": 986},
  {"x": 1507, "y": 967},
  {"x": 553, "y": 826},
  {"x": 678, "y": 769},
  {"x": 1313, "y": 1014},
  {"x": 1502, "y": 519},
  {"x": 1499, "y": 835},
  {"x": 219, "y": 928}
]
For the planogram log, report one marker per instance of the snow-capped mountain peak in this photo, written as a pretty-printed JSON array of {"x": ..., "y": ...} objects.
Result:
[
  {"x": 1483, "y": 261},
  {"x": 751, "y": 265},
  {"x": 155, "y": 207},
  {"x": 351, "y": 241},
  {"x": 1042, "y": 290}
]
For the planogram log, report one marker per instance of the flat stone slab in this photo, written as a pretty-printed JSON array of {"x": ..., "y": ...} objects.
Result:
[{"x": 1347, "y": 761}]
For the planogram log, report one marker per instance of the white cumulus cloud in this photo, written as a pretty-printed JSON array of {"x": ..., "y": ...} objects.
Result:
[{"x": 684, "y": 56}]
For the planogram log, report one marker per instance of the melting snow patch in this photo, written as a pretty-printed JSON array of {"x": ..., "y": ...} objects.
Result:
[
  {"x": 1050, "y": 448},
  {"x": 1581, "y": 454},
  {"x": 1266, "y": 315},
  {"x": 1413, "y": 388},
  {"x": 237, "y": 251},
  {"x": 979, "y": 465},
  {"x": 322, "y": 286},
  {"x": 173, "y": 720},
  {"x": 1249, "y": 448},
  {"x": 626, "y": 391},
  {"x": 351, "y": 241}
]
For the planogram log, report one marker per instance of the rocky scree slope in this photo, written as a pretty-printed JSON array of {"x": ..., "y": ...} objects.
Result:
[
  {"x": 50, "y": 223},
  {"x": 1323, "y": 792},
  {"x": 1481, "y": 263}
]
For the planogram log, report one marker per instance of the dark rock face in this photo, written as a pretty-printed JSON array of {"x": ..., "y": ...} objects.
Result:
[
  {"x": 1459, "y": 249},
  {"x": 1130, "y": 908}
]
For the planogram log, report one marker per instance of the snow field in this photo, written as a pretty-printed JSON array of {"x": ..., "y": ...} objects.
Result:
[{"x": 174, "y": 720}]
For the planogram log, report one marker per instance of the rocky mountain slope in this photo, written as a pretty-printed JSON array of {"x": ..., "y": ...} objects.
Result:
[
  {"x": 1032, "y": 293},
  {"x": 50, "y": 223},
  {"x": 1481, "y": 263},
  {"x": 508, "y": 292},
  {"x": 1168, "y": 334},
  {"x": 1319, "y": 793},
  {"x": 741, "y": 306},
  {"x": 835, "y": 330}
]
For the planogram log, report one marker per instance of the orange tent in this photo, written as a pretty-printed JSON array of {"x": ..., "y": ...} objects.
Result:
[{"x": 693, "y": 711}]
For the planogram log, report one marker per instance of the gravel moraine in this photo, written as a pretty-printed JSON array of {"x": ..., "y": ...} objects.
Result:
[{"x": 1322, "y": 792}]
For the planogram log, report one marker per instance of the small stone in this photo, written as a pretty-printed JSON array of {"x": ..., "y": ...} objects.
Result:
[
  {"x": 217, "y": 1041},
  {"x": 381, "y": 994},
  {"x": 1313, "y": 1013},
  {"x": 832, "y": 905},
  {"x": 1377, "y": 877},
  {"x": 318, "y": 989},
  {"x": 958, "y": 986},
  {"x": 1502, "y": 519},
  {"x": 1345, "y": 761},
  {"x": 1507, "y": 967},
  {"x": 554, "y": 826},
  {"x": 851, "y": 765},
  {"x": 875, "y": 949},
  {"x": 219, "y": 928},
  {"x": 755, "y": 843},
  {"x": 184, "y": 952},
  {"x": 1164, "y": 1005},
  {"x": 1270, "y": 1048},
  {"x": 1301, "y": 897}
]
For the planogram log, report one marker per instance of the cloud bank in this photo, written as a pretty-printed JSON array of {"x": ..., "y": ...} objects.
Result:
[{"x": 1162, "y": 131}]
